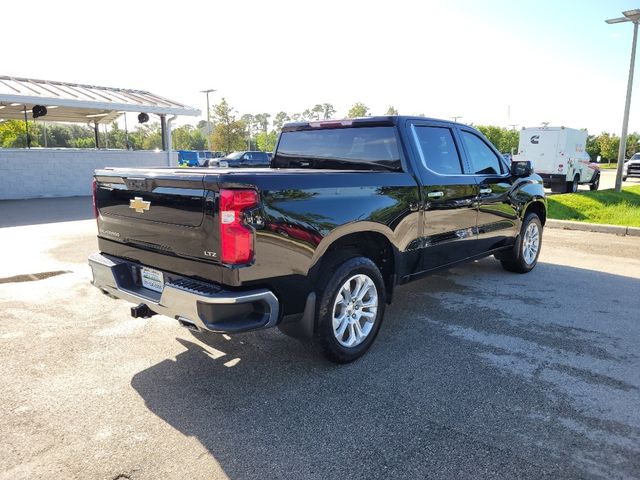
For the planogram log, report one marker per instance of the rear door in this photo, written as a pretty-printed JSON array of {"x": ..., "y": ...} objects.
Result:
[
  {"x": 498, "y": 222},
  {"x": 449, "y": 194}
]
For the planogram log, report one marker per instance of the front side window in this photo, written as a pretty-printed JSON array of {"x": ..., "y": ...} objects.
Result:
[
  {"x": 483, "y": 160},
  {"x": 439, "y": 151},
  {"x": 234, "y": 156}
]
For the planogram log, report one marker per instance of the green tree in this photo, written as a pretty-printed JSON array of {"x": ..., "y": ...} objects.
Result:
[
  {"x": 494, "y": 134},
  {"x": 317, "y": 112},
  {"x": 262, "y": 121},
  {"x": 358, "y": 109},
  {"x": 592, "y": 147},
  {"x": 229, "y": 132},
  {"x": 509, "y": 141},
  {"x": 58, "y": 135},
  {"x": 504, "y": 139},
  {"x": 83, "y": 142},
  {"x": 633, "y": 144},
  {"x": 182, "y": 137},
  {"x": 328, "y": 111},
  {"x": 279, "y": 120},
  {"x": 391, "y": 111},
  {"x": 198, "y": 141},
  {"x": 266, "y": 141},
  {"x": 152, "y": 141},
  {"x": 13, "y": 134},
  {"x": 609, "y": 145},
  {"x": 117, "y": 137}
]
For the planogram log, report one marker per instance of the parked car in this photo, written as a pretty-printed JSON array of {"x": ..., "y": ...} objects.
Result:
[
  {"x": 197, "y": 158},
  {"x": 631, "y": 167},
  {"x": 316, "y": 244},
  {"x": 558, "y": 155},
  {"x": 247, "y": 159}
]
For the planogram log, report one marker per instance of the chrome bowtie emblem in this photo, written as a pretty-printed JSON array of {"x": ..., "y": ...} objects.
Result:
[{"x": 139, "y": 205}]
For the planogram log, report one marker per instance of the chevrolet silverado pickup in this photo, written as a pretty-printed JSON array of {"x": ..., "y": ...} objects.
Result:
[{"x": 315, "y": 244}]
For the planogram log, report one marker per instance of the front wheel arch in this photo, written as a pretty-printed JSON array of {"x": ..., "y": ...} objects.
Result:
[{"x": 539, "y": 208}]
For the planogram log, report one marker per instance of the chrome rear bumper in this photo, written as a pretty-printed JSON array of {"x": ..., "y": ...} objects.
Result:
[{"x": 204, "y": 305}]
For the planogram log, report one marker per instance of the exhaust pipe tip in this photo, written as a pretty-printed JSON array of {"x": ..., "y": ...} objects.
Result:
[
  {"x": 186, "y": 323},
  {"x": 142, "y": 311}
]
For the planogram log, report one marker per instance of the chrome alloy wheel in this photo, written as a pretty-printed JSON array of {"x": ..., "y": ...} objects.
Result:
[
  {"x": 531, "y": 243},
  {"x": 354, "y": 310}
]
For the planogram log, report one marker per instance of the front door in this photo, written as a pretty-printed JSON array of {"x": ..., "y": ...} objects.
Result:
[
  {"x": 449, "y": 196},
  {"x": 498, "y": 221}
]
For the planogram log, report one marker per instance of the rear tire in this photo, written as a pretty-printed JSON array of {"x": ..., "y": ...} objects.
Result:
[
  {"x": 524, "y": 255},
  {"x": 572, "y": 187},
  {"x": 350, "y": 309}
]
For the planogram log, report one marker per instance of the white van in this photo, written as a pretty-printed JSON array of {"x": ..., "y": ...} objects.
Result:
[{"x": 558, "y": 155}]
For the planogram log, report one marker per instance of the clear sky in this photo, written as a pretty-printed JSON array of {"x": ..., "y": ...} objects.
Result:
[{"x": 492, "y": 62}]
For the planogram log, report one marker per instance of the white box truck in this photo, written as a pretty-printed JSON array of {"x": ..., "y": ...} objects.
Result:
[{"x": 558, "y": 155}]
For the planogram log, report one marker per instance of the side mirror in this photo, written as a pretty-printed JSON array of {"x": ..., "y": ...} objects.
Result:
[{"x": 521, "y": 168}]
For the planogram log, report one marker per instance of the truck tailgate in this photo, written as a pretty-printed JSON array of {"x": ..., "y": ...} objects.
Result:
[{"x": 167, "y": 212}]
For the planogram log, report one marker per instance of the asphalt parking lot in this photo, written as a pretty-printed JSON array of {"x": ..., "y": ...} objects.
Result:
[
  {"x": 477, "y": 373},
  {"x": 608, "y": 180}
]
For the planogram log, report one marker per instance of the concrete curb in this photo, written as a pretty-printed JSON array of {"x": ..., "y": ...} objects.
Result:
[{"x": 594, "y": 227}]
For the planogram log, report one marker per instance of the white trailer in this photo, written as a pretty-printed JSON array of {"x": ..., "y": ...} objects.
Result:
[{"x": 558, "y": 155}]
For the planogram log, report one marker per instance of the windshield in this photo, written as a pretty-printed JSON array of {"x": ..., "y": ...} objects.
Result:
[
  {"x": 362, "y": 147},
  {"x": 635, "y": 156},
  {"x": 234, "y": 155}
]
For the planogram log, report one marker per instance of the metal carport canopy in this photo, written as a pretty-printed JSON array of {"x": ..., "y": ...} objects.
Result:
[{"x": 74, "y": 102}]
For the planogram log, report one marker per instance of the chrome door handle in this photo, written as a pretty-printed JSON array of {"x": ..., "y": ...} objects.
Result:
[
  {"x": 435, "y": 194},
  {"x": 485, "y": 191}
]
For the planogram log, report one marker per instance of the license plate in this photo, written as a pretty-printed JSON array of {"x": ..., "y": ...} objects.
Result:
[{"x": 152, "y": 279}]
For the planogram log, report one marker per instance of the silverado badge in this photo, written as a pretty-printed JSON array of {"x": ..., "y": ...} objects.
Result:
[{"x": 139, "y": 205}]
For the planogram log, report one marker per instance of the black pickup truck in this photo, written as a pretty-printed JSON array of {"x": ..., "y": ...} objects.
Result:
[{"x": 317, "y": 243}]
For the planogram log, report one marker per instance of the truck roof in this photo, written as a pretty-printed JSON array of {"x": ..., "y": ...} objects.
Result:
[
  {"x": 376, "y": 121},
  {"x": 551, "y": 129}
]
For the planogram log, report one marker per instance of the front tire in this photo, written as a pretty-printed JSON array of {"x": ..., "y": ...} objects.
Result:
[
  {"x": 350, "y": 310},
  {"x": 524, "y": 255},
  {"x": 596, "y": 184}
]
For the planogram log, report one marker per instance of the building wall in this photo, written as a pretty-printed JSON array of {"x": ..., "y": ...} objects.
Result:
[{"x": 51, "y": 172}]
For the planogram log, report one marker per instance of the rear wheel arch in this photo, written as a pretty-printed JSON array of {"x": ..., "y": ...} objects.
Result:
[{"x": 373, "y": 245}]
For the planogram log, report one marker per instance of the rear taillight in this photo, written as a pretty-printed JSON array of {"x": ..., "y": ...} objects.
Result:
[
  {"x": 236, "y": 239},
  {"x": 94, "y": 190}
]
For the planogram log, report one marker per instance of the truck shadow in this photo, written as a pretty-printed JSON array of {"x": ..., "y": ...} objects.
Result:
[{"x": 475, "y": 373}]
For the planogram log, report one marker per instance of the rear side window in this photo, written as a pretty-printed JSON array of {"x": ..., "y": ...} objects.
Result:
[
  {"x": 328, "y": 147},
  {"x": 483, "y": 160},
  {"x": 439, "y": 152}
]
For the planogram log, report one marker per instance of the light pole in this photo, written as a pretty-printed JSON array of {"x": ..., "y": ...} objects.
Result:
[
  {"x": 455, "y": 119},
  {"x": 207, "y": 92},
  {"x": 629, "y": 16}
]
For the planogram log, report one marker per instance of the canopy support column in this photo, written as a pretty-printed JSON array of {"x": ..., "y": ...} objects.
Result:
[
  {"x": 168, "y": 138},
  {"x": 163, "y": 131},
  {"x": 96, "y": 133},
  {"x": 26, "y": 127}
]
